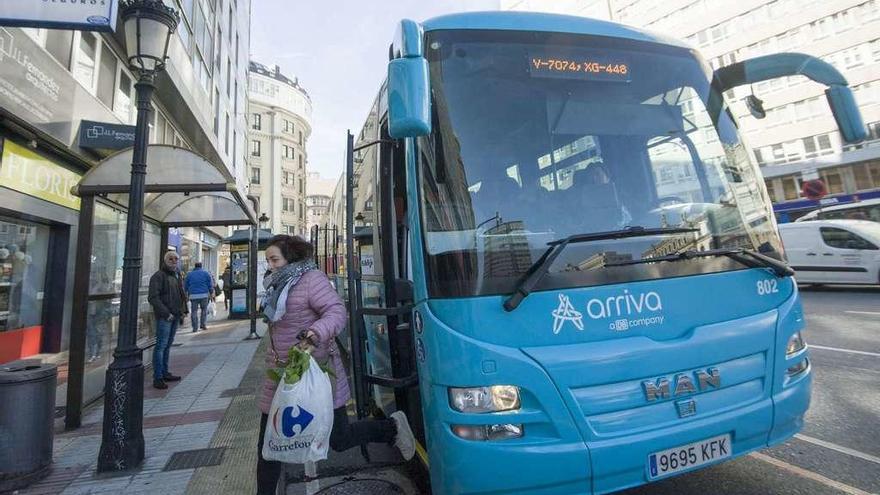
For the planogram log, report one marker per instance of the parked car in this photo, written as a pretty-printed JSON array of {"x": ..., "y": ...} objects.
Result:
[
  {"x": 833, "y": 251},
  {"x": 861, "y": 210}
]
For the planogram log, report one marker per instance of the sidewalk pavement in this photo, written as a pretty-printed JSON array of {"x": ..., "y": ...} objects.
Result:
[
  {"x": 185, "y": 417},
  {"x": 201, "y": 433}
]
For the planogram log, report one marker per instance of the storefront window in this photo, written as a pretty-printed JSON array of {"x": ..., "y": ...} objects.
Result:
[
  {"x": 771, "y": 189},
  {"x": 867, "y": 175},
  {"x": 833, "y": 181},
  {"x": 105, "y": 284},
  {"x": 790, "y": 189},
  {"x": 24, "y": 250},
  {"x": 862, "y": 176},
  {"x": 188, "y": 254}
]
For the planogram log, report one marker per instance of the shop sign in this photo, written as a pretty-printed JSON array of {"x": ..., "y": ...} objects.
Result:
[
  {"x": 238, "y": 248},
  {"x": 105, "y": 136},
  {"x": 209, "y": 240},
  {"x": 83, "y": 15},
  {"x": 25, "y": 171},
  {"x": 33, "y": 86}
]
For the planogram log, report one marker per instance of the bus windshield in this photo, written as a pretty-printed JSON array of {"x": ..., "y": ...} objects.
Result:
[{"x": 540, "y": 136}]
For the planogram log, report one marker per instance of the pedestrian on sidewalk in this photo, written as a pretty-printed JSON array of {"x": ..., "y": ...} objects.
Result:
[
  {"x": 200, "y": 287},
  {"x": 303, "y": 310},
  {"x": 168, "y": 300},
  {"x": 227, "y": 287}
]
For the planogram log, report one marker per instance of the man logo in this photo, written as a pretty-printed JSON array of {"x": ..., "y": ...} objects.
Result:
[
  {"x": 289, "y": 421},
  {"x": 566, "y": 312}
]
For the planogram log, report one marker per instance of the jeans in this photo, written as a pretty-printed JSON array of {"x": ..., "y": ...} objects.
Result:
[
  {"x": 165, "y": 331},
  {"x": 343, "y": 436},
  {"x": 195, "y": 313}
]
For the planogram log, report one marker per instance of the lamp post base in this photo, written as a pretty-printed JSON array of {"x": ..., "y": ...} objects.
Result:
[
  {"x": 253, "y": 335},
  {"x": 122, "y": 444}
]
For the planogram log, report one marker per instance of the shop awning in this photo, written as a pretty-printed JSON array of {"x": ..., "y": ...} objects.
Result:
[
  {"x": 182, "y": 188},
  {"x": 244, "y": 236}
]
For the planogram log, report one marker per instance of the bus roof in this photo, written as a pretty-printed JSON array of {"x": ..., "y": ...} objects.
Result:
[{"x": 554, "y": 23}]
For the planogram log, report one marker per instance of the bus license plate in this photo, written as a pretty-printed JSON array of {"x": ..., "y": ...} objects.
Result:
[{"x": 688, "y": 456}]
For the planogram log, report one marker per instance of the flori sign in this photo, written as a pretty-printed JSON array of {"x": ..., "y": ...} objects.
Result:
[
  {"x": 82, "y": 15},
  {"x": 25, "y": 171}
]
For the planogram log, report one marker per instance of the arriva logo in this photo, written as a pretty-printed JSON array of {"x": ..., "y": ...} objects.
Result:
[
  {"x": 566, "y": 312},
  {"x": 628, "y": 310},
  {"x": 624, "y": 305}
]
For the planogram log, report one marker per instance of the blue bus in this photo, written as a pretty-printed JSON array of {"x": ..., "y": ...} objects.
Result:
[{"x": 563, "y": 262}]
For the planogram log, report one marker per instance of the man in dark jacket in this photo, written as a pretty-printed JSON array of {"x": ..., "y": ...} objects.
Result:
[{"x": 169, "y": 305}]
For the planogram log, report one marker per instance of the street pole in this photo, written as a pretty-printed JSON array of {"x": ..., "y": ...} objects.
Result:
[
  {"x": 122, "y": 440},
  {"x": 252, "y": 282}
]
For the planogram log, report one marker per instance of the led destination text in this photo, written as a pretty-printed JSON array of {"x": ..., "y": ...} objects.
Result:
[
  {"x": 562, "y": 65},
  {"x": 598, "y": 67}
]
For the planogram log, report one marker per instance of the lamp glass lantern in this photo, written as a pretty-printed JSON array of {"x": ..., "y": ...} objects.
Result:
[
  {"x": 264, "y": 220},
  {"x": 148, "y": 25}
]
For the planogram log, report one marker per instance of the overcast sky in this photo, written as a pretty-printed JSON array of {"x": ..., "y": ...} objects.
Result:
[{"x": 339, "y": 51}]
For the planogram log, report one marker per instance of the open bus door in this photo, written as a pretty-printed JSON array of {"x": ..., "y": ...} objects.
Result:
[{"x": 380, "y": 298}]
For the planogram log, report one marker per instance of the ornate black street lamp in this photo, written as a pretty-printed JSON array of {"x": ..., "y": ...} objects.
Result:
[
  {"x": 264, "y": 220},
  {"x": 148, "y": 26}
]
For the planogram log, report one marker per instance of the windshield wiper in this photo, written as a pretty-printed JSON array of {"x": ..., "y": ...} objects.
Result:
[
  {"x": 747, "y": 257},
  {"x": 539, "y": 268}
]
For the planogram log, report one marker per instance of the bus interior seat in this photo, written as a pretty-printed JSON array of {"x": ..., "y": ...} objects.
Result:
[
  {"x": 593, "y": 193},
  {"x": 497, "y": 195}
]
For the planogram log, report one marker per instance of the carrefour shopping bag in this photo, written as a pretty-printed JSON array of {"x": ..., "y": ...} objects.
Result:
[{"x": 300, "y": 419}]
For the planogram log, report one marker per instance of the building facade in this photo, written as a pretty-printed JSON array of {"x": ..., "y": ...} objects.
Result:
[
  {"x": 320, "y": 191},
  {"x": 60, "y": 88},
  {"x": 280, "y": 113},
  {"x": 798, "y": 138}
]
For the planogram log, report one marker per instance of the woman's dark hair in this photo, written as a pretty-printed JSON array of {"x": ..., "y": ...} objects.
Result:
[{"x": 292, "y": 247}]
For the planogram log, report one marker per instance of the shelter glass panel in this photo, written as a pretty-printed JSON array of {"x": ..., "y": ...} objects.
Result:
[{"x": 105, "y": 284}]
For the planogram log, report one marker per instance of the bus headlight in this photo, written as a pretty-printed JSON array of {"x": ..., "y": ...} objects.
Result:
[
  {"x": 488, "y": 432},
  {"x": 795, "y": 344},
  {"x": 798, "y": 368},
  {"x": 484, "y": 399}
]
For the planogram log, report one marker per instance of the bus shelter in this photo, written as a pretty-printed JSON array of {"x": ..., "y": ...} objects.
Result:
[{"x": 183, "y": 189}]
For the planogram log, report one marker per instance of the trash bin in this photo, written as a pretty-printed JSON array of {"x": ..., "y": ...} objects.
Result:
[{"x": 27, "y": 410}]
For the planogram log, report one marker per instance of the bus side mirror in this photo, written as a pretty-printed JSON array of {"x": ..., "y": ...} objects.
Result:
[
  {"x": 846, "y": 113},
  {"x": 840, "y": 97},
  {"x": 409, "y": 102}
]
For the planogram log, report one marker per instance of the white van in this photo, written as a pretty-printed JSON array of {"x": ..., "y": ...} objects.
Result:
[
  {"x": 833, "y": 251},
  {"x": 868, "y": 209}
]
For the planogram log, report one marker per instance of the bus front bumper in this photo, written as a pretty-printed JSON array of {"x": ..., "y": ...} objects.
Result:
[{"x": 606, "y": 465}]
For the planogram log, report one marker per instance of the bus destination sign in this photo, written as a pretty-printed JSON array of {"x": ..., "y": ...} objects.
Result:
[{"x": 591, "y": 66}]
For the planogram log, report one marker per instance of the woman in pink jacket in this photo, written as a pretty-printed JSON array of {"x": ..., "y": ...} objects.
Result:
[{"x": 303, "y": 309}]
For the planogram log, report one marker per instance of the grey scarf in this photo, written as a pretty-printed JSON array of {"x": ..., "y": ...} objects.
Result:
[{"x": 277, "y": 286}]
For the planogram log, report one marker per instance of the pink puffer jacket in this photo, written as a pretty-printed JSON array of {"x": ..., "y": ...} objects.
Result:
[{"x": 312, "y": 304}]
